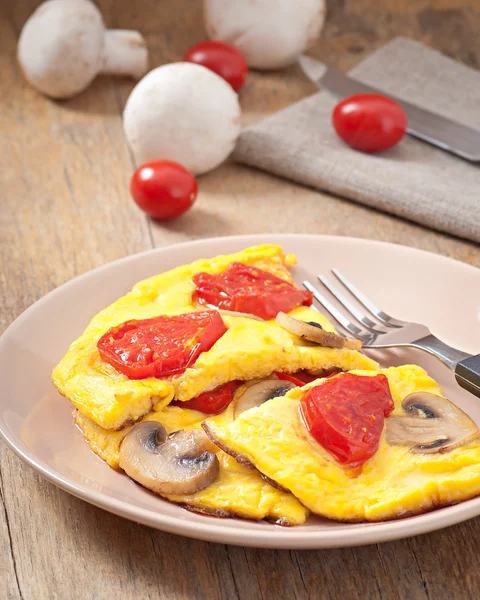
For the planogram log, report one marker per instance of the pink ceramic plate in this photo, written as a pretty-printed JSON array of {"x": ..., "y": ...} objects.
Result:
[{"x": 36, "y": 422}]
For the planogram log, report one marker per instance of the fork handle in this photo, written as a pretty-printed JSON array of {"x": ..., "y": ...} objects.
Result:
[
  {"x": 467, "y": 374},
  {"x": 465, "y": 366}
]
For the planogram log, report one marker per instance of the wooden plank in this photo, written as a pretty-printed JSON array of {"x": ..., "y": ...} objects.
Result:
[
  {"x": 266, "y": 574},
  {"x": 449, "y": 561},
  {"x": 386, "y": 571},
  {"x": 8, "y": 573}
]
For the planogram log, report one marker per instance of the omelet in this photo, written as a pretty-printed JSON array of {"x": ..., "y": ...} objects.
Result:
[
  {"x": 249, "y": 349},
  {"x": 237, "y": 490},
  {"x": 395, "y": 482}
]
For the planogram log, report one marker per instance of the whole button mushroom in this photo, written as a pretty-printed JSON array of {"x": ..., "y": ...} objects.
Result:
[
  {"x": 271, "y": 34},
  {"x": 64, "y": 45},
  {"x": 185, "y": 113}
]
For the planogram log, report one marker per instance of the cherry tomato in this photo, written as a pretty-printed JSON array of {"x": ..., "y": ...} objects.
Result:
[
  {"x": 246, "y": 289},
  {"x": 212, "y": 402},
  {"x": 369, "y": 122},
  {"x": 346, "y": 415},
  {"x": 160, "y": 346},
  {"x": 221, "y": 58},
  {"x": 163, "y": 189}
]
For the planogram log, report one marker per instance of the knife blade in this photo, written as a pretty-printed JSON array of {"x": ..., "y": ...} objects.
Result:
[{"x": 423, "y": 124}]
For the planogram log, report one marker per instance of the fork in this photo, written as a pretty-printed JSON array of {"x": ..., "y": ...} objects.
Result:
[{"x": 377, "y": 329}]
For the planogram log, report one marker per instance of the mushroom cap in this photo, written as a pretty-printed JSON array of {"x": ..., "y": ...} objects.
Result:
[
  {"x": 431, "y": 424},
  {"x": 270, "y": 34},
  {"x": 60, "y": 49},
  {"x": 182, "y": 112},
  {"x": 179, "y": 464}
]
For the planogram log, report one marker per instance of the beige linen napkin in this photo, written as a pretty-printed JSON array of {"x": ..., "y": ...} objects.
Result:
[{"x": 413, "y": 180}]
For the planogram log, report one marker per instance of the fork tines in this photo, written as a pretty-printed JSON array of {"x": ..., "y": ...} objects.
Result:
[{"x": 367, "y": 330}]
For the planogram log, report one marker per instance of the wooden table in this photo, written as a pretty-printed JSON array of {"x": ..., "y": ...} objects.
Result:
[{"x": 65, "y": 208}]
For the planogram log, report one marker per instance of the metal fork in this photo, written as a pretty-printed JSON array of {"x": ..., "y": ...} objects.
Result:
[{"x": 377, "y": 329}]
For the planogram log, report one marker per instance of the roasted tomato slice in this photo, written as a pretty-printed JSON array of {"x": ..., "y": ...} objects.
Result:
[
  {"x": 160, "y": 346},
  {"x": 212, "y": 402},
  {"x": 246, "y": 289},
  {"x": 346, "y": 415}
]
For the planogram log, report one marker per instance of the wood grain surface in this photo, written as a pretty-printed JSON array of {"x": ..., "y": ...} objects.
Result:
[{"x": 65, "y": 208}]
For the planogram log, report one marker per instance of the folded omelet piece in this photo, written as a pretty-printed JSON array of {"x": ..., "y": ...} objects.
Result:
[
  {"x": 237, "y": 491},
  {"x": 249, "y": 349},
  {"x": 393, "y": 483},
  {"x": 254, "y": 350}
]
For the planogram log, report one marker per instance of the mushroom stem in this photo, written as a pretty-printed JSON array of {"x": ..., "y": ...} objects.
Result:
[{"x": 125, "y": 53}]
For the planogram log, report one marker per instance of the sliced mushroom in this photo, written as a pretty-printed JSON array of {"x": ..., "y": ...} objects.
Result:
[
  {"x": 179, "y": 464},
  {"x": 432, "y": 424},
  {"x": 313, "y": 332},
  {"x": 250, "y": 396}
]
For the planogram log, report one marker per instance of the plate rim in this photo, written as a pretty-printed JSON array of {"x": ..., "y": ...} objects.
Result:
[{"x": 277, "y": 537}]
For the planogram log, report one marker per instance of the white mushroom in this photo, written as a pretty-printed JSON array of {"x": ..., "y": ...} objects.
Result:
[
  {"x": 313, "y": 332},
  {"x": 182, "y": 112},
  {"x": 64, "y": 46},
  {"x": 270, "y": 33},
  {"x": 431, "y": 424},
  {"x": 256, "y": 393},
  {"x": 179, "y": 464}
]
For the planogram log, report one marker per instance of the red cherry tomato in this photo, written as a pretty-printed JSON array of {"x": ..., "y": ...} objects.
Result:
[
  {"x": 163, "y": 189},
  {"x": 160, "y": 346},
  {"x": 212, "y": 402},
  {"x": 221, "y": 58},
  {"x": 346, "y": 415},
  {"x": 369, "y": 122},
  {"x": 247, "y": 289}
]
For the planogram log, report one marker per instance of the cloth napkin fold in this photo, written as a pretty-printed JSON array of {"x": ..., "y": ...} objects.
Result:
[{"x": 413, "y": 180}]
